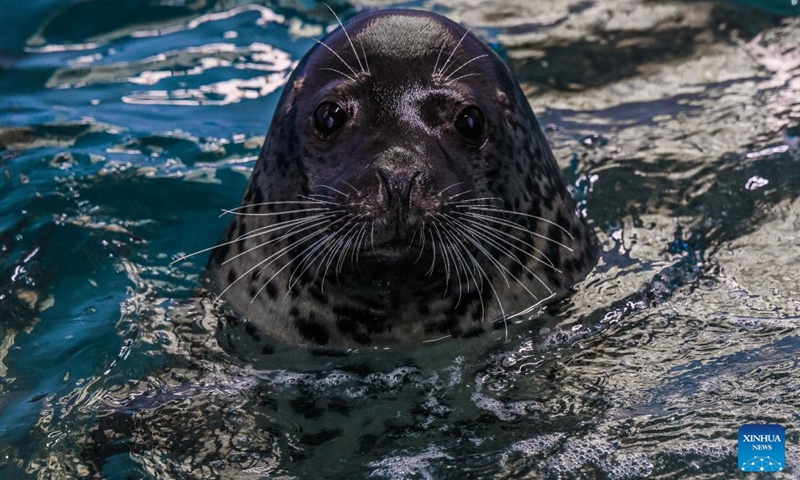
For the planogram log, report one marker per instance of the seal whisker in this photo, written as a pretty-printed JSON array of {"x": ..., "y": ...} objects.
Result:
[
  {"x": 422, "y": 242},
  {"x": 357, "y": 247},
  {"x": 448, "y": 255},
  {"x": 274, "y": 275},
  {"x": 330, "y": 255},
  {"x": 312, "y": 195},
  {"x": 274, "y": 240},
  {"x": 281, "y": 202},
  {"x": 337, "y": 56},
  {"x": 477, "y": 244},
  {"x": 476, "y": 268},
  {"x": 296, "y": 222},
  {"x": 459, "y": 194},
  {"x": 413, "y": 237},
  {"x": 433, "y": 261},
  {"x": 450, "y": 75},
  {"x": 335, "y": 190},
  {"x": 474, "y": 74},
  {"x": 494, "y": 290},
  {"x": 358, "y": 192},
  {"x": 513, "y": 225},
  {"x": 444, "y": 67},
  {"x": 273, "y": 214},
  {"x": 372, "y": 236},
  {"x": 322, "y": 202},
  {"x": 269, "y": 259},
  {"x": 319, "y": 245},
  {"x": 498, "y": 210},
  {"x": 251, "y": 234},
  {"x": 460, "y": 268},
  {"x": 451, "y": 186},
  {"x": 507, "y": 253},
  {"x": 438, "y": 57},
  {"x": 343, "y": 254},
  {"x": 366, "y": 61},
  {"x": 495, "y": 232},
  {"x": 333, "y": 251},
  {"x": 348, "y": 37},
  {"x": 328, "y": 69},
  {"x": 473, "y": 200},
  {"x": 460, "y": 257},
  {"x": 272, "y": 278},
  {"x": 445, "y": 260}
]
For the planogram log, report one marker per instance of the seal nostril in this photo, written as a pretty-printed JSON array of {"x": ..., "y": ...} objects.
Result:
[{"x": 398, "y": 185}]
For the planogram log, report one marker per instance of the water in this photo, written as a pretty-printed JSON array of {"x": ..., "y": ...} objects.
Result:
[{"x": 125, "y": 127}]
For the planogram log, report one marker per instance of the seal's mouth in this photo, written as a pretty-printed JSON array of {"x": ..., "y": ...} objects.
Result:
[{"x": 393, "y": 244}]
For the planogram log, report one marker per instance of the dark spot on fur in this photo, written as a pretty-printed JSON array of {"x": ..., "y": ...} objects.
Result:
[
  {"x": 252, "y": 331},
  {"x": 312, "y": 331},
  {"x": 220, "y": 253},
  {"x": 267, "y": 350},
  {"x": 473, "y": 332},
  {"x": 272, "y": 290},
  {"x": 448, "y": 325},
  {"x": 257, "y": 196},
  {"x": 352, "y": 329}
]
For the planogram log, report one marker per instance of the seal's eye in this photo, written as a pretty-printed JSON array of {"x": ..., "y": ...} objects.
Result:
[
  {"x": 329, "y": 118},
  {"x": 470, "y": 124}
]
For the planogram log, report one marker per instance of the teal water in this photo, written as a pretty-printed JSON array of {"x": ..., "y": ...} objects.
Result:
[{"x": 126, "y": 126}]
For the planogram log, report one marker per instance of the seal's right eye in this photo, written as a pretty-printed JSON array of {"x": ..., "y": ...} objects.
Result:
[
  {"x": 329, "y": 118},
  {"x": 470, "y": 125}
]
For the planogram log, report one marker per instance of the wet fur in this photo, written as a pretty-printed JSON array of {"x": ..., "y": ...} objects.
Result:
[{"x": 404, "y": 75}]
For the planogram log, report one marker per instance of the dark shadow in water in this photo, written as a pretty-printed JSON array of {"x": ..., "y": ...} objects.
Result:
[{"x": 613, "y": 55}]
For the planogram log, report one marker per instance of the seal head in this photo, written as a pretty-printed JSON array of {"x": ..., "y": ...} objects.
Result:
[{"x": 405, "y": 192}]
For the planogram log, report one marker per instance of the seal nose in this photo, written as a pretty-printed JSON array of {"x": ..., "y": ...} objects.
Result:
[{"x": 399, "y": 184}]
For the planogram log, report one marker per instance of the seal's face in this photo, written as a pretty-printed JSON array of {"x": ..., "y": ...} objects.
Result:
[
  {"x": 392, "y": 144},
  {"x": 404, "y": 158}
]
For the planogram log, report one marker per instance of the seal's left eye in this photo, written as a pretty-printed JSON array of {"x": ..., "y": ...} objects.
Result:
[
  {"x": 329, "y": 118},
  {"x": 470, "y": 124}
]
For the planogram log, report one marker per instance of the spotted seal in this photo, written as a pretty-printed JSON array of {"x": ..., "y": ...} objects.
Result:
[{"x": 405, "y": 192}]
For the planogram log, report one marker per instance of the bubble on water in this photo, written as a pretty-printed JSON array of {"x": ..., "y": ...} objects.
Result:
[
  {"x": 505, "y": 411},
  {"x": 592, "y": 451},
  {"x": 456, "y": 371},
  {"x": 627, "y": 465},
  {"x": 393, "y": 379},
  {"x": 707, "y": 450},
  {"x": 577, "y": 453},
  {"x": 537, "y": 445},
  {"x": 408, "y": 465}
]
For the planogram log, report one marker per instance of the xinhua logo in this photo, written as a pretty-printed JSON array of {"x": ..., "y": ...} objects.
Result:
[{"x": 762, "y": 448}]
